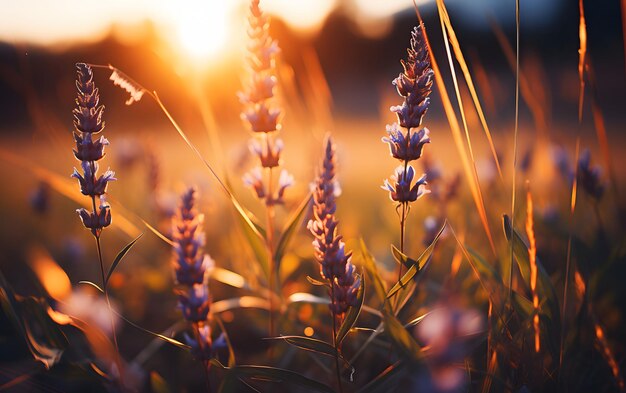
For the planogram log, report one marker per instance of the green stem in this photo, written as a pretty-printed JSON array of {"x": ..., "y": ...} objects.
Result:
[
  {"x": 335, "y": 343},
  {"x": 269, "y": 238},
  {"x": 118, "y": 357}
]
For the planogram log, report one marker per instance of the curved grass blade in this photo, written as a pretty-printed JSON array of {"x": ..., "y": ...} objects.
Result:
[
  {"x": 352, "y": 314},
  {"x": 401, "y": 258},
  {"x": 91, "y": 283},
  {"x": 273, "y": 374},
  {"x": 67, "y": 188},
  {"x": 119, "y": 257},
  {"x": 168, "y": 340},
  {"x": 309, "y": 344},
  {"x": 229, "y": 277},
  {"x": 369, "y": 263},
  {"x": 544, "y": 284},
  {"x": 293, "y": 223},
  {"x": 231, "y": 353},
  {"x": 401, "y": 338},
  {"x": 239, "y": 302},
  {"x": 255, "y": 239},
  {"x": 382, "y": 381},
  {"x": 419, "y": 265}
]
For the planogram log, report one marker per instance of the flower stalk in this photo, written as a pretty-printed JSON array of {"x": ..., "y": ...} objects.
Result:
[
  {"x": 264, "y": 121},
  {"x": 89, "y": 150},
  {"x": 190, "y": 266},
  {"x": 335, "y": 263},
  {"x": 407, "y": 137}
]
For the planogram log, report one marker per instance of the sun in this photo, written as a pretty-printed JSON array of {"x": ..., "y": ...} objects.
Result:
[{"x": 202, "y": 27}]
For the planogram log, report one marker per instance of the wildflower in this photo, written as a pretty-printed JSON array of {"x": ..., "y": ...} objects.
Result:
[
  {"x": 259, "y": 113},
  {"x": 415, "y": 83},
  {"x": 87, "y": 122},
  {"x": 400, "y": 188},
  {"x": 335, "y": 262},
  {"x": 188, "y": 259},
  {"x": 190, "y": 266}
]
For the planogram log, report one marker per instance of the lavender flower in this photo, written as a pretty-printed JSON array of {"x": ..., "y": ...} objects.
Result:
[
  {"x": 259, "y": 113},
  {"x": 188, "y": 259},
  {"x": 87, "y": 122},
  {"x": 415, "y": 83},
  {"x": 335, "y": 263},
  {"x": 190, "y": 266}
]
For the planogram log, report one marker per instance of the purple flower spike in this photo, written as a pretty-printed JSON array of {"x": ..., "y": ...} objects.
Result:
[
  {"x": 335, "y": 262},
  {"x": 415, "y": 83}
]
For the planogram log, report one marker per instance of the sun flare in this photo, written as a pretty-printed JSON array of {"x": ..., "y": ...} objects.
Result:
[{"x": 202, "y": 30}]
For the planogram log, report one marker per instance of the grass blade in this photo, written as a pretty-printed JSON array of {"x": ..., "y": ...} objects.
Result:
[
  {"x": 352, "y": 314},
  {"x": 369, "y": 263},
  {"x": 273, "y": 374},
  {"x": 456, "y": 46},
  {"x": 119, "y": 257},
  {"x": 309, "y": 344},
  {"x": 458, "y": 139},
  {"x": 382, "y": 381},
  {"x": 419, "y": 265},
  {"x": 293, "y": 223},
  {"x": 401, "y": 338}
]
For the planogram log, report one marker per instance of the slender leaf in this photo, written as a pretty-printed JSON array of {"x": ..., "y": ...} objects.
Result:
[
  {"x": 382, "y": 381},
  {"x": 544, "y": 284},
  {"x": 231, "y": 353},
  {"x": 168, "y": 340},
  {"x": 239, "y": 302},
  {"x": 255, "y": 239},
  {"x": 401, "y": 258},
  {"x": 400, "y": 337},
  {"x": 317, "y": 282},
  {"x": 369, "y": 263},
  {"x": 419, "y": 265},
  {"x": 352, "y": 314},
  {"x": 293, "y": 223},
  {"x": 309, "y": 344},
  {"x": 273, "y": 374},
  {"x": 119, "y": 257},
  {"x": 91, "y": 283}
]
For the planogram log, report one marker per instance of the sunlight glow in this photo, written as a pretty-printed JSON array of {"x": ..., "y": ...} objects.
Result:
[
  {"x": 202, "y": 28},
  {"x": 302, "y": 15}
]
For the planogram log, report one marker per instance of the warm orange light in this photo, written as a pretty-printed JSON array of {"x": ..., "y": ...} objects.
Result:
[
  {"x": 309, "y": 331},
  {"x": 52, "y": 277},
  {"x": 201, "y": 28}
]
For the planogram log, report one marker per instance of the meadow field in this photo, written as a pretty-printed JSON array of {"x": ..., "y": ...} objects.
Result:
[{"x": 420, "y": 207}]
